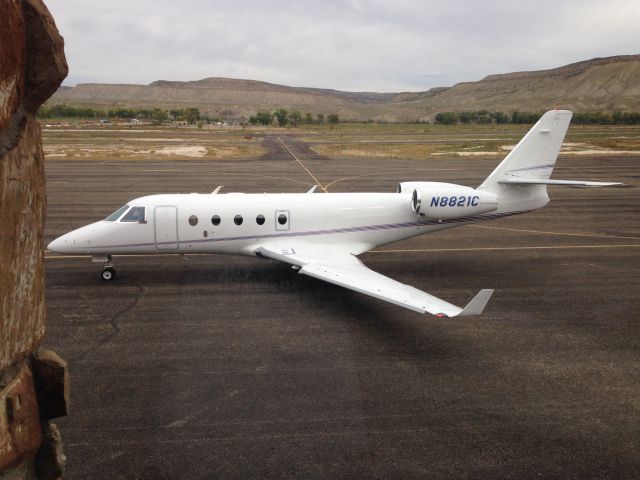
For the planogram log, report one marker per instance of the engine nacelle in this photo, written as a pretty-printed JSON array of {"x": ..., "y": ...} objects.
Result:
[
  {"x": 407, "y": 187},
  {"x": 443, "y": 201}
]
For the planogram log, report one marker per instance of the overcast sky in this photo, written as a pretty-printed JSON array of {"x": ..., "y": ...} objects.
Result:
[{"x": 358, "y": 45}]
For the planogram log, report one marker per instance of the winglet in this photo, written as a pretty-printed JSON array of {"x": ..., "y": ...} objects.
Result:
[{"x": 477, "y": 303}]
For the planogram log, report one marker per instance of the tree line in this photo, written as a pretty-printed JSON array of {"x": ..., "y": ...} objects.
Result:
[
  {"x": 295, "y": 118},
  {"x": 485, "y": 116},
  {"x": 190, "y": 115}
]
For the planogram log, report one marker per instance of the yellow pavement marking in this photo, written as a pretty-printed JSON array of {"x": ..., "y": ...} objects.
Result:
[
  {"x": 302, "y": 165},
  {"x": 481, "y": 249},
  {"x": 268, "y": 176},
  {"x": 593, "y": 235},
  {"x": 350, "y": 178}
]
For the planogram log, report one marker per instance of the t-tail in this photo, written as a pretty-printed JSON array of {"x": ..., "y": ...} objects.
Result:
[{"x": 521, "y": 179}]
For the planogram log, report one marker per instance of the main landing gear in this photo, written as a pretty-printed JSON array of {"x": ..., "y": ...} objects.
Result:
[{"x": 108, "y": 272}]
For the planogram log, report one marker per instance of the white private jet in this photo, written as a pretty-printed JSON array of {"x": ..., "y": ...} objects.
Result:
[{"x": 321, "y": 234}]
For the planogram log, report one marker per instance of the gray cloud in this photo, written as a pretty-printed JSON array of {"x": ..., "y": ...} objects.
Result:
[{"x": 350, "y": 45}]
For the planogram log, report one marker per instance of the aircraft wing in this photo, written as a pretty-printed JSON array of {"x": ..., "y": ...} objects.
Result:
[{"x": 345, "y": 270}]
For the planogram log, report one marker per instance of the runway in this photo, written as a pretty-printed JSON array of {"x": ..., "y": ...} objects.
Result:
[{"x": 196, "y": 366}]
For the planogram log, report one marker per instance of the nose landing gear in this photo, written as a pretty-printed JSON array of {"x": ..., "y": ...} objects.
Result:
[{"x": 108, "y": 272}]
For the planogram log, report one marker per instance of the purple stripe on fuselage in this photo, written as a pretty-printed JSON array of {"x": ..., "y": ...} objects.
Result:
[{"x": 364, "y": 228}]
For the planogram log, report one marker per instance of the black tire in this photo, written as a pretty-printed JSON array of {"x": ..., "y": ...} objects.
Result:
[{"x": 108, "y": 274}]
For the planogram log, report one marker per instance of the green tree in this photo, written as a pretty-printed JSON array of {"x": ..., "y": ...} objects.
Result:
[
  {"x": 320, "y": 118},
  {"x": 122, "y": 112},
  {"x": 447, "y": 118},
  {"x": 617, "y": 117},
  {"x": 524, "y": 117},
  {"x": 191, "y": 115},
  {"x": 260, "y": 118},
  {"x": 62, "y": 110},
  {"x": 483, "y": 116},
  {"x": 333, "y": 118},
  {"x": 159, "y": 115},
  {"x": 501, "y": 117},
  {"x": 282, "y": 115},
  {"x": 295, "y": 118},
  {"x": 177, "y": 114}
]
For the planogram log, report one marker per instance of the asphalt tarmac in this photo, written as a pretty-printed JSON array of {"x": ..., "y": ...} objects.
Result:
[{"x": 226, "y": 367}]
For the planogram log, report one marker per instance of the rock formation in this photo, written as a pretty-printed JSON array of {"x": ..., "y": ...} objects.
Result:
[
  {"x": 33, "y": 385},
  {"x": 600, "y": 84}
]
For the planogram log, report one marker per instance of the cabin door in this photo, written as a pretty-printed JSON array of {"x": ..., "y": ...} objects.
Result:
[{"x": 166, "y": 228}]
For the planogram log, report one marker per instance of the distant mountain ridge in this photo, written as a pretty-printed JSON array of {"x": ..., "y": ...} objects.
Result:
[
  {"x": 221, "y": 83},
  {"x": 599, "y": 84},
  {"x": 565, "y": 71}
]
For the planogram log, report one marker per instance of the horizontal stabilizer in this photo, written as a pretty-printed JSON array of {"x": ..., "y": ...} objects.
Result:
[{"x": 541, "y": 181}]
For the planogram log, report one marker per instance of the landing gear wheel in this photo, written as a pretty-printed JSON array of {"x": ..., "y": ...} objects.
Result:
[{"x": 108, "y": 274}]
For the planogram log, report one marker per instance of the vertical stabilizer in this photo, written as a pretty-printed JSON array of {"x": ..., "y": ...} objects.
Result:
[{"x": 535, "y": 156}]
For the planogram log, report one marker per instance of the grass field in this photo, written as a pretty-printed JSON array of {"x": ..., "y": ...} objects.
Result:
[
  {"x": 417, "y": 142},
  {"x": 145, "y": 143}
]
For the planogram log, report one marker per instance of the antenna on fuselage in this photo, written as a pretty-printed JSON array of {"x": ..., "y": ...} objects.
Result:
[
  {"x": 215, "y": 192},
  {"x": 312, "y": 189}
]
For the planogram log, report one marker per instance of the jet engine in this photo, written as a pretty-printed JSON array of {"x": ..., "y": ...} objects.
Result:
[{"x": 443, "y": 201}]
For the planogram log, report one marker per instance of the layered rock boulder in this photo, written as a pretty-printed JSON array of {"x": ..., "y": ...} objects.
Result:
[{"x": 32, "y": 67}]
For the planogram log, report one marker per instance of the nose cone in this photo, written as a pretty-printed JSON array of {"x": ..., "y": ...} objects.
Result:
[
  {"x": 57, "y": 245},
  {"x": 77, "y": 242}
]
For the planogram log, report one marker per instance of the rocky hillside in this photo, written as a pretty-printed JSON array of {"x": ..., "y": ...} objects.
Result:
[{"x": 611, "y": 83}]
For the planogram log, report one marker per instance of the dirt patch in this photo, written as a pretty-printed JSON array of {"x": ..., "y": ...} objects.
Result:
[
  {"x": 377, "y": 150},
  {"x": 186, "y": 151}
]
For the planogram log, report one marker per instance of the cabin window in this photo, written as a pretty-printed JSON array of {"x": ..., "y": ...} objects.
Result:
[
  {"x": 136, "y": 214},
  {"x": 260, "y": 219},
  {"x": 237, "y": 219},
  {"x": 193, "y": 220},
  {"x": 116, "y": 215},
  {"x": 205, "y": 234},
  {"x": 282, "y": 220},
  {"x": 215, "y": 220}
]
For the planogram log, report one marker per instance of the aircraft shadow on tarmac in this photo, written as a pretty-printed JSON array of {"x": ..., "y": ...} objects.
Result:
[{"x": 392, "y": 329}]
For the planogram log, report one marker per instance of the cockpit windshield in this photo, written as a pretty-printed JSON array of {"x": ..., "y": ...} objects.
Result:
[
  {"x": 116, "y": 215},
  {"x": 136, "y": 214}
]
